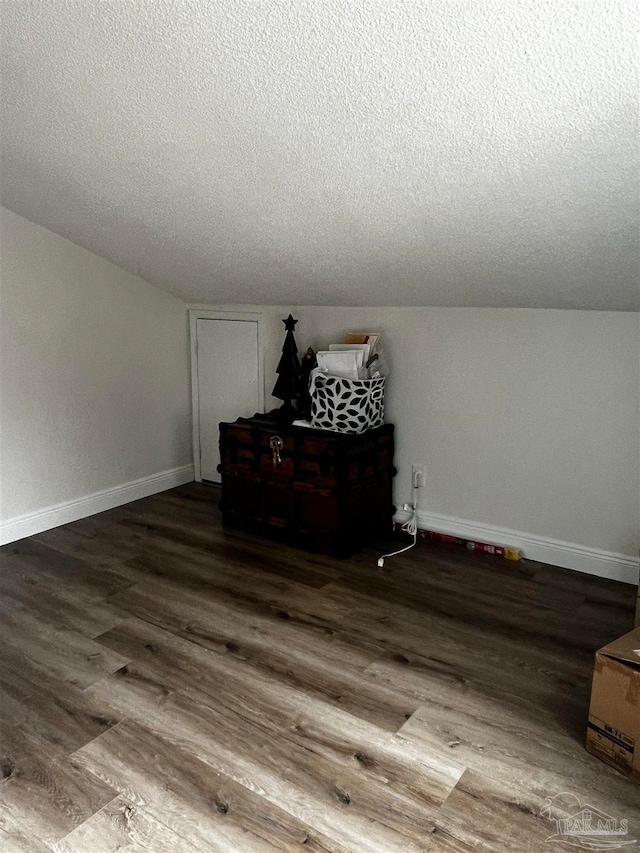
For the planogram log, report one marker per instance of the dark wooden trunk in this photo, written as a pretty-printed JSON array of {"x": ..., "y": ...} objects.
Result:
[{"x": 327, "y": 491}]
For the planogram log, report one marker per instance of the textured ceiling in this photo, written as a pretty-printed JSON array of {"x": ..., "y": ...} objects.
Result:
[{"x": 400, "y": 152}]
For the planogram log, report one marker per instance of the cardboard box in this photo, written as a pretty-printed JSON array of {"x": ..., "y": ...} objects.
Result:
[{"x": 613, "y": 733}]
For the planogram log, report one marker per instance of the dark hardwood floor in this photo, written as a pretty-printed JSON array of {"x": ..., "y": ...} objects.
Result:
[{"x": 168, "y": 686}]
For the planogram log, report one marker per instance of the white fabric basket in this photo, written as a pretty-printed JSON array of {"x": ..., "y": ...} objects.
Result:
[{"x": 346, "y": 405}]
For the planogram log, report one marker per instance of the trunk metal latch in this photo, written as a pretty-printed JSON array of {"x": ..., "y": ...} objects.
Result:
[{"x": 276, "y": 444}]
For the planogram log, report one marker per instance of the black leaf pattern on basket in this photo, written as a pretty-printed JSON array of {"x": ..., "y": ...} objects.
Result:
[{"x": 347, "y": 405}]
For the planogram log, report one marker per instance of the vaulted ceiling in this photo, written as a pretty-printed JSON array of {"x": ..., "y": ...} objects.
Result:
[{"x": 343, "y": 152}]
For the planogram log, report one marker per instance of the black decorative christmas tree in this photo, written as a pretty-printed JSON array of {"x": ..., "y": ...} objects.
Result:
[{"x": 288, "y": 370}]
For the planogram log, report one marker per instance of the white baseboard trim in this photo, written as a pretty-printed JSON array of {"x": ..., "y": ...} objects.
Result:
[
  {"x": 64, "y": 513},
  {"x": 569, "y": 555}
]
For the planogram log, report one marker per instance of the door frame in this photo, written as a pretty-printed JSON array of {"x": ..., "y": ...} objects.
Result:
[{"x": 196, "y": 314}]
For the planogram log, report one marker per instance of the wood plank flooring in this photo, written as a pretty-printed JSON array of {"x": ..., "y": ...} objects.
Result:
[{"x": 168, "y": 686}]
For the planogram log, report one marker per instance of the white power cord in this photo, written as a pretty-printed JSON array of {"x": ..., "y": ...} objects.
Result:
[{"x": 410, "y": 526}]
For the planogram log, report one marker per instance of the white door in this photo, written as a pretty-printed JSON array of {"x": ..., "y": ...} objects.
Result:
[{"x": 228, "y": 374}]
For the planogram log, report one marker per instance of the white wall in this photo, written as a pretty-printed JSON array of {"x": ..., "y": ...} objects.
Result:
[
  {"x": 95, "y": 381},
  {"x": 528, "y": 422}
]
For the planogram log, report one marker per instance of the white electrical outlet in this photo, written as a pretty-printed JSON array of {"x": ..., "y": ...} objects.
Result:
[{"x": 417, "y": 476}]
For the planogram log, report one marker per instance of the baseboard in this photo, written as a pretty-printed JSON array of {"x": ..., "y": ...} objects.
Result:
[
  {"x": 568, "y": 555},
  {"x": 64, "y": 513}
]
